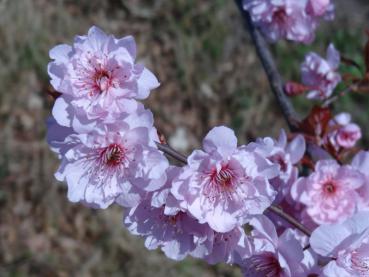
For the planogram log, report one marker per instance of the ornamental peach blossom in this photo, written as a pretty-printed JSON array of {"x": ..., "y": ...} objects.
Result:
[
  {"x": 114, "y": 161},
  {"x": 98, "y": 73},
  {"x": 321, "y": 74},
  {"x": 223, "y": 185},
  {"x": 330, "y": 193}
]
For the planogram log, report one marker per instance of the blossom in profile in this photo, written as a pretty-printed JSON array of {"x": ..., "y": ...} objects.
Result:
[
  {"x": 224, "y": 185},
  {"x": 347, "y": 244},
  {"x": 344, "y": 133},
  {"x": 115, "y": 160},
  {"x": 321, "y": 74},
  {"x": 330, "y": 193},
  {"x": 98, "y": 73},
  {"x": 284, "y": 154},
  {"x": 319, "y": 8},
  {"x": 361, "y": 163},
  {"x": 284, "y": 19}
]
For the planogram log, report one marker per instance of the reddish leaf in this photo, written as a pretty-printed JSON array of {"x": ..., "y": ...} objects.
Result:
[{"x": 316, "y": 123}]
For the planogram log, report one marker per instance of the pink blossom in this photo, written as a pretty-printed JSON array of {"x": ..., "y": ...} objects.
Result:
[
  {"x": 285, "y": 155},
  {"x": 273, "y": 256},
  {"x": 361, "y": 163},
  {"x": 318, "y": 7},
  {"x": 282, "y": 19},
  {"x": 347, "y": 243},
  {"x": 223, "y": 247},
  {"x": 344, "y": 133},
  {"x": 116, "y": 160},
  {"x": 321, "y": 74},
  {"x": 224, "y": 185},
  {"x": 164, "y": 224},
  {"x": 98, "y": 73},
  {"x": 330, "y": 193}
]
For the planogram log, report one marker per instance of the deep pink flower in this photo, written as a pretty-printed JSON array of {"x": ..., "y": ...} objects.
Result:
[
  {"x": 321, "y": 74},
  {"x": 98, "y": 73},
  {"x": 330, "y": 193},
  {"x": 282, "y": 19},
  {"x": 347, "y": 243},
  {"x": 344, "y": 133},
  {"x": 114, "y": 161},
  {"x": 224, "y": 185}
]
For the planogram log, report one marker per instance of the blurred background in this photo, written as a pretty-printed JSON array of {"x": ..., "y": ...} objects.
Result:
[{"x": 210, "y": 76}]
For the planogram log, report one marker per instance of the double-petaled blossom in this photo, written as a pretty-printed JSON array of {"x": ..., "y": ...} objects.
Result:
[
  {"x": 287, "y": 19},
  {"x": 160, "y": 220},
  {"x": 320, "y": 74},
  {"x": 330, "y": 193},
  {"x": 344, "y": 133},
  {"x": 285, "y": 155},
  {"x": 274, "y": 256},
  {"x": 347, "y": 244},
  {"x": 224, "y": 185},
  {"x": 98, "y": 76},
  {"x": 114, "y": 161}
]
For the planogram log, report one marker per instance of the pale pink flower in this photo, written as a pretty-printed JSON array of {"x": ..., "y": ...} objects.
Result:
[
  {"x": 319, "y": 7},
  {"x": 361, "y": 163},
  {"x": 273, "y": 256},
  {"x": 98, "y": 73},
  {"x": 285, "y": 155},
  {"x": 330, "y": 193},
  {"x": 225, "y": 185},
  {"x": 321, "y": 74},
  {"x": 223, "y": 247},
  {"x": 164, "y": 224},
  {"x": 114, "y": 161},
  {"x": 282, "y": 19},
  {"x": 344, "y": 133},
  {"x": 347, "y": 243}
]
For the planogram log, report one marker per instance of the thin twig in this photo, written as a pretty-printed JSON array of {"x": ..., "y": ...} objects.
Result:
[
  {"x": 289, "y": 219},
  {"x": 270, "y": 68},
  {"x": 172, "y": 153}
]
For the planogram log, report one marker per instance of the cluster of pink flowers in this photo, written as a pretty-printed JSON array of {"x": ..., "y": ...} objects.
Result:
[
  {"x": 289, "y": 19},
  {"x": 219, "y": 206}
]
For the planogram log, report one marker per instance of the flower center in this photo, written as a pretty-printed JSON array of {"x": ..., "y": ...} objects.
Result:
[
  {"x": 280, "y": 16},
  {"x": 102, "y": 80},
  {"x": 266, "y": 265},
  {"x": 113, "y": 155},
  {"x": 329, "y": 187},
  {"x": 360, "y": 261},
  {"x": 278, "y": 159}
]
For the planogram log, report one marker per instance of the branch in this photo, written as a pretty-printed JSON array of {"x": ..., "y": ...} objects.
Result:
[
  {"x": 274, "y": 78},
  {"x": 183, "y": 159},
  {"x": 172, "y": 153},
  {"x": 289, "y": 219}
]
